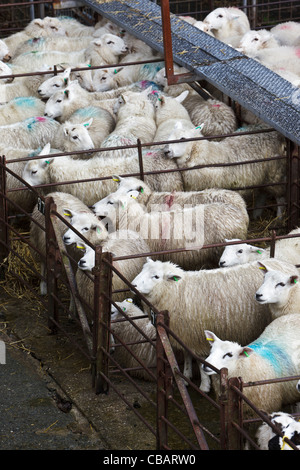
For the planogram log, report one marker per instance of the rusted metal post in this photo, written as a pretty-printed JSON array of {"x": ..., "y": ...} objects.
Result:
[
  {"x": 167, "y": 39},
  {"x": 164, "y": 374},
  {"x": 272, "y": 246},
  {"x": 4, "y": 236},
  {"x": 230, "y": 410},
  {"x": 102, "y": 307},
  {"x": 141, "y": 165},
  {"x": 52, "y": 260},
  {"x": 294, "y": 180}
]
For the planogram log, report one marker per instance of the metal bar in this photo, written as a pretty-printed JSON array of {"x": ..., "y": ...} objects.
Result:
[{"x": 4, "y": 236}]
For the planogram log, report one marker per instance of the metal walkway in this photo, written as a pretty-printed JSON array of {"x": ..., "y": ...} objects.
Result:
[{"x": 246, "y": 81}]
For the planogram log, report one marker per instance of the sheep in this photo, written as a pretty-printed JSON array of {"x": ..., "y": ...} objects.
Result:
[
  {"x": 178, "y": 227},
  {"x": 274, "y": 354},
  {"x": 206, "y": 299},
  {"x": 228, "y": 24},
  {"x": 102, "y": 51},
  {"x": 38, "y": 27},
  {"x": 85, "y": 129},
  {"x": 32, "y": 132},
  {"x": 168, "y": 112},
  {"x": 288, "y": 33},
  {"x": 38, "y": 237},
  {"x": 286, "y": 249},
  {"x": 74, "y": 28},
  {"x": 121, "y": 243},
  {"x": 60, "y": 81},
  {"x": 286, "y": 57},
  {"x": 165, "y": 200},
  {"x": 127, "y": 333},
  {"x": 63, "y": 44},
  {"x": 230, "y": 149},
  {"x": 21, "y": 108},
  {"x": 280, "y": 291},
  {"x": 60, "y": 169},
  {"x": 254, "y": 41},
  {"x": 268, "y": 439},
  {"x": 4, "y": 52}
]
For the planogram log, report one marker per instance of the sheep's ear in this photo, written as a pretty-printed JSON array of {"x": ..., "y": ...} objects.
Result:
[
  {"x": 67, "y": 93},
  {"x": 68, "y": 213},
  {"x": 117, "y": 179},
  {"x": 255, "y": 249},
  {"x": 88, "y": 123},
  {"x": 47, "y": 162},
  {"x": 293, "y": 280},
  {"x": 46, "y": 149},
  {"x": 180, "y": 98},
  {"x": 199, "y": 128},
  {"x": 97, "y": 228},
  {"x": 66, "y": 75},
  {"x": 246, "y": 351},
  {"x": 173, "y": 277},
  {"x": 210, "y": 336},
  {"x": 38, "y": 22},
  {"x": 81, "y": 246},
  {"x": 262, "y": 267},
  {"x": 66, "y": 130}
]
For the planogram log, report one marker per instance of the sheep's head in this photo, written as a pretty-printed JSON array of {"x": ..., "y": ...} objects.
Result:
[
  {"x": 180, "y": 148},
  {"x": 48, "y": 26},
  {"x": 77, "y": 137},
  {"x": 114, "y": 43},
  {"x": 221, "y": 17},
  {"x": 87, "y": 224},
  {"x": 103, "y": 79},
  {"x": 239, "y": 254},
  {"x": 254, "y": 41},
  {"x": 224, "y": 354},
  {"x": 155, "y": 273},
  {"x": 56, "y": 103},
  {"x": 53, "y": 84},
  {"x": 276, "y": 287},
  {"x": 129, "y": 184},
  {"x": 87, "y": 262},
  {"x": 36, "y": 171}
]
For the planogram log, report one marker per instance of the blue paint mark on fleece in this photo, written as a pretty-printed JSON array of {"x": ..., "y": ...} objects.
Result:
[
  {"x": 274, "y": 354},
  {"x": 26, "y": 101},
  {"x": 152, "y": 69},
  {"x": 89, "y": 112}
]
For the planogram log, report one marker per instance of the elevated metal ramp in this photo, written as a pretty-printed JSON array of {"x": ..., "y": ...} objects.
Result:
[{"x": 246, "y": 81}]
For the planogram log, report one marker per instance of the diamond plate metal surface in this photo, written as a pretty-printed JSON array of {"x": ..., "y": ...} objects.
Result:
[{"x": 245, "y": 80}]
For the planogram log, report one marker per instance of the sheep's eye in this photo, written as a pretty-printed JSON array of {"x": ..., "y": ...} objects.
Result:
[
  {"x": 109, "y": 202},
  {"x": 85, "y": 229},
  {"x": 110, "y": 42},
  {"x": 155, "y": 277},
  {"x": 58, "y": 101},
  {"x": 103, "y": 78},
  {"x": 227, "y": 354},
  {"x": 240, "y": 251},
  {"x": 74, "y": 137},
  {"x": 55, "y": 84},
  {"x": 280, "y": 284},
  {"x": 34, "y": 172},
  {"x": 220, "y": 16},
  {"x": 255, "y": 39}
]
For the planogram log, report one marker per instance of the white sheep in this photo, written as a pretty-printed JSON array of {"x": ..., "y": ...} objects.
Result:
[
  {"x": 127, "y": 333},
  {"x": 179, "y": 227},
  {"x": 101, "y": 51},
  {"x": 60, "y": 81},
  {"x": 268, "y": 439},
  {"x": 283, "y": 57},
  {"x": 280, "y": 291},
  {"x": 21, "y": 108},
  {"x": 274, "y": 354},
  {"x": 85, "y": 129},
  {"x": 229, "y": 150},
  {"x": 38, "y": 27},
  {"x": 165, "y": 200},
  {"x": 228, "y": 24},
  {"x": 286, "y": 249},
  {"x": 220, "y": 299},
  {"x": 288, "y": 33},
  {"x": 65, "y": 203},
  {"x": 4, "y": 52},
  {"x": 121, "y": 243},
  {"x": 63, "y": 44},
  {"x": 61, "y": 169},
  {"x": 30, "y": 133},
  {"x": 254, "y": 41},
  {"x": 74, "y": 28}
]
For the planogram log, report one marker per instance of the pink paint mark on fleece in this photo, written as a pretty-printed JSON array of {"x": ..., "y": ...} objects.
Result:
[
  {"x": 40, "y": 119},
  {"x": 286, "y": 26},
  {"x": 215, "y": 105},
  {"x": 297, "y": 52}
]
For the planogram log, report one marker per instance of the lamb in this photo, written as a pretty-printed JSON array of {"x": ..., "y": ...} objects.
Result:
[
  {"x": 37, "y": 236},
  {"x": 127, "y": 333},
  {"x": 102, "y": 51},
  {"x": 85, "y": 129},
  {"x": 274, "y": 354},
  {"x": 288, "y": 33},
  {"x": 280, "y": 291},
  {"x": 206, "y": 298},
  {"x": 121, "y": 243},
  {"x": 60, "y": 81},
  {"x": 38, "y": 27},
  {"x": 229, "y": 150},
  {"x": 4, "y": 52},
  {"x": 254, "y": 41},
  {"x": 61, "y": 169},
  {"x": 21, "y": 108},
  {"x": 180, "y": 227},
  {"x": 165, "y": 200},
  {"x": 228, "y": 24},
  {"x": 268, "y": 439},
  {"x": 286, "y": 249},
  {"x": 32, "y": 132}
]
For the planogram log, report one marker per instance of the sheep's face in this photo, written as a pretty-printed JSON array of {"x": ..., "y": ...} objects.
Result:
[
  {"x": 56, "y": 103},
  {"x": 50, "y": 86},
  {"x": 253, "y": 41},
  {"x": 114, "y": 43},
  {"x": 124, "y": 306},
  {"x": 45, "y": 27},
  {"x": 224, "y": 354},
  {"x": 35, "y": 172},
  {"x": 180, "y": 148},
  {"x": 87, "y": 262},
  {"x": 103, "y": 80},
  {"x": 238, "y": 254},
  {"x": 86, "y": 223},
  {"x": 5, "y": 70},
  {"x": 4, "y": 52},
  {"x": 84, "y": 77},
  {"x": 292, "y": 432},
  {"x": 276, "y": 287},
  {"x": 220, "y": 18},
  {"x": 77, "y": 136},
  {"x": 154, "y": 273}
]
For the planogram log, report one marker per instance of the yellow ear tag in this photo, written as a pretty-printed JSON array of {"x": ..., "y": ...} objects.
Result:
[
  {"x": 68, "y": 214},
  {"x": 116, "y": 180},
  {"x": 209, "y": 339},
  {"x": 129, "y": 300},
  {"x": 80, "y": 247},
  {"x": 262, "y": 268}
]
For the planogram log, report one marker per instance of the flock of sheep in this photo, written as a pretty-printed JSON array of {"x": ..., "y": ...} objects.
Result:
[{"x": 241, "y": 295}]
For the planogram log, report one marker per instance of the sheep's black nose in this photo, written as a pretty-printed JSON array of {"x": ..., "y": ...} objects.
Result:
[
  {"x": 258, "y": 297},
  {"x": 222, "y": 263},
  {"x": 81, "y": 262}
]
